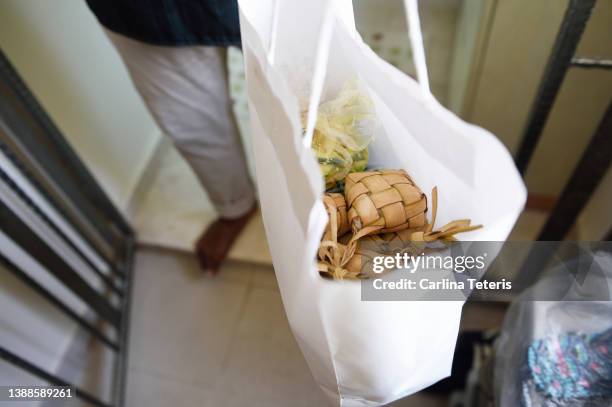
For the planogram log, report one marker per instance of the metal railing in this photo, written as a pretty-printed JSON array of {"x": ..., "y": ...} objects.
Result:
[
  {"x": 595, "y": 160},
  {"x": 100, "y": 239}
]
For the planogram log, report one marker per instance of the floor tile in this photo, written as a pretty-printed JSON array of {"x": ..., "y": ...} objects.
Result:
[
  {"x": 265, "y": 362},
  {"x": 232, "y": 271},
  {"x": 153, "y": 390},
  {"x": 223, "y": 341},
  {"x": 182, "y": 320},
  {"x": 147, "y": 389},
  {"x": 264, "y": 277}
]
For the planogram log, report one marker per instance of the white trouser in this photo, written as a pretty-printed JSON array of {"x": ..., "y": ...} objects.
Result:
[{"x": 186, "y": 91}]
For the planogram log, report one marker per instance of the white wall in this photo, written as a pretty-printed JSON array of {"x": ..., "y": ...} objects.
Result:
[
  {"x": 511, "y": 64},
  {"x": 521, "y": 38},
  {"x": 469, "y": 34},
  {"x": 578, "y": 109},
  {"x": 595, "y": 220},
  {"x": 63, "y": 55}
]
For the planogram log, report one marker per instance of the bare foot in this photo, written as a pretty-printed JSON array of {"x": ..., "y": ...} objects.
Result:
[{"x": 214, "y": 244}]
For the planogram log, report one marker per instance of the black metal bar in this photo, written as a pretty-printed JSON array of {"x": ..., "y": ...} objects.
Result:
[
  {"x": 34, "y": 140},
  {"x": 60, "y": 207},
  {"x": 119, "y": 383},
  {"x": 18, "y": 133},
  {"x": 26, "y": 279},
  {"x": 592, "y": 63},
  {"x": 535, "y": 263},
  {"x": 23, "y": 236},
  {"x": 85, "y": 231},
  {"x": 586, "y": 177},
  {"x": 55, "y": 142},
  {"x": 48, "y": 377},
  {"x": 572, "y": 27},
  {"x": 33, "y": 143},
  {"x": 106, "y": 279}
]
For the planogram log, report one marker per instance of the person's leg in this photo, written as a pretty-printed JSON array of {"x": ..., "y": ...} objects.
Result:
[{"x": 185, "y": 89}]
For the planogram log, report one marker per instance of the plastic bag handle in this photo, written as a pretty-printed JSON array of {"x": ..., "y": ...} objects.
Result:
[
  {"x": 318, "y": 75},
  {"x": 320, "y": 65},
  {"x": 415, "y": 34},
  {"x": 273, "y": 32},
  {"x": 416, "y": 42}
]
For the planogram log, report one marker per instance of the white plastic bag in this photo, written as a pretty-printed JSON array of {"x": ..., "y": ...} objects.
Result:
[{"x": 297, "y": 55}]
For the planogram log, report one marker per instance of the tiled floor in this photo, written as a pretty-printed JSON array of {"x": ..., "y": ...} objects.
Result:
[{"x": 224, "y": 341}]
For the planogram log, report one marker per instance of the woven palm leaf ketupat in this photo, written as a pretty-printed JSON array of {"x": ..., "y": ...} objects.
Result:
[
  {"x": 388, "y": 200},
  {"x": 426, "y": 233},
  {"x": 335, "y": 255},
  {"x": 360, "y": 265},
  {"x": 350, "y": 255},
  {"x": 362, "y": 258},
  {"x": 338, "y": 224}
]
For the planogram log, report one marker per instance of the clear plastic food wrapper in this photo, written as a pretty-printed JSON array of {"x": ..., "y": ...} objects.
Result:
[
  {"x": 344, "y": 129},
  {"x": 559, "y": 353}
]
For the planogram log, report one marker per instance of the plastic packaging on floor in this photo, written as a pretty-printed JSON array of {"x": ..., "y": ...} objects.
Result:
[{"x": 559, "y": 353}]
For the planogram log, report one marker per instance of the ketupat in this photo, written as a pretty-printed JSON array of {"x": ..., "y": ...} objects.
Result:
[
  {"x": 370, "y": 213},
  {"x": 388, "y": 199},
  {"x": 349, "y": 255}
]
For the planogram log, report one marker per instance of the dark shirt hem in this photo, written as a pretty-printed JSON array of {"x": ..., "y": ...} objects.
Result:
[
  {"x": 204, "y": 41},
  {"x": 171, "y": 23}
]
